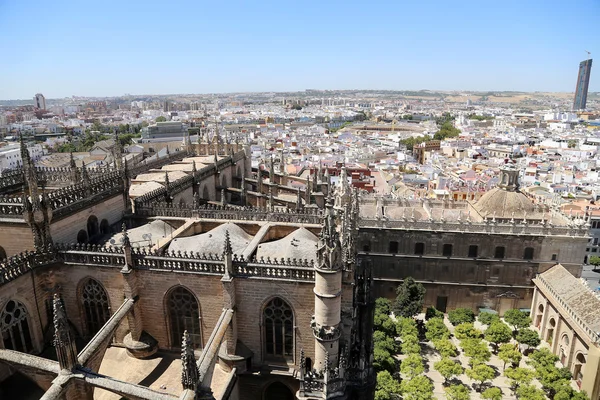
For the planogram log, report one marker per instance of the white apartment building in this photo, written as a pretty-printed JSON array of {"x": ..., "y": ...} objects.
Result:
[{"x": 10, "y": 155}]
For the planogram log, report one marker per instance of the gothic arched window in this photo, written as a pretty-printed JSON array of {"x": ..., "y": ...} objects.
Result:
[
  {"x": 279, "y": 328},
  {"x": 14, "y": 326},
  {"x": 184, "y": 314},
  {"x": 95, "y": 306}
]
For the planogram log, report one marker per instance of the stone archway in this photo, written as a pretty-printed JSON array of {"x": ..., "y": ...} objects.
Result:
[
  {"x": 550, "y": 331},
  {"x": 278, "y": 391},
  {"x": 92, "y": 226},
  {"x": 82, "y": 237},
  {"x": 104, "y": 227}
]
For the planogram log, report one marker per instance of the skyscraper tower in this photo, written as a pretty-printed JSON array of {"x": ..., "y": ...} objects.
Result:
[
  {"x": 40, "y": 101},
  {"x": 583, "y": 81}
]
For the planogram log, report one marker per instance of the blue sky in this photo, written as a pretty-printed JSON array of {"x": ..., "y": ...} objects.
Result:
[{"x": 108, "y": 48}]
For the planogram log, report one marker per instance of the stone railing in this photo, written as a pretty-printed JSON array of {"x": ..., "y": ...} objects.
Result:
[
  {"x": 56, "y": 176},
  {"x": 548, "y": 289},
  {"x": 22, "y": 263},
  {"x": 68, "y": 199},
  {"x": 158, "y": 163},
  {"x": 208, "y": 211},
  {"x": 187, "y": 181},
  {"x": 143, "y": 259},
  {"x": 488, "y": 227}
]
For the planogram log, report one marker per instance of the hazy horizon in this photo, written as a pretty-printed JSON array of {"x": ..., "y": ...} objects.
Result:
[{"x": 111, "y": 48}]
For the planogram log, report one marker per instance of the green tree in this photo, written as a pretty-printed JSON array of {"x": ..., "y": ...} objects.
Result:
[
  {"x": 529, "y": 392},
  {"x": 448, "y": 369},
  {"x": 542, "y": 358},
  {"x": 567, "y": 393},
  {"x": 383, "y": 306},
  {"x": 486, "y": 318},
  {"x": 387, "y": 387},
  {"x": 517, "y": 318},
  {"x": 528, "y": 337},
  {"x": 481, "y": 373},
  {"x": 409, "y": 299},
  {"x": 406, "y": 327},
  {"x": 447, "y": 130},
  {"x": 498, "y": 332},
  {"x": 385, "y": 342},
  {"x": 519, "y": 376},
  {"x": 594, "y": 260},
  {"x": 432, "y": 312},
  {"x": 572, "y": 143},
  {"x": 457, "y": 392},
  {"x": 461, "y": 315},
  {"x": 160, "y": 119},
  {"x": 412, "y": 366},
  {"x": 508, "y": 353},
  {"x": 436, "y": 330},
  {"x": 410, "y": 345},
  {"x": 383, "y": 361},
  {"x": 476, "y": 349},
  {"x": 417, "y": 388},
  {"x": 383, "y": 322},
  {"x": 466, "y": 330},
  {"x": 446, "y": 348},
  {"x": 493, "y": 393}
]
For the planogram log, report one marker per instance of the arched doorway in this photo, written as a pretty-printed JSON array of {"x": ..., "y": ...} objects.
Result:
[
  {"x": 278, "y": 329},
  {"x": 278, "y": 391},
  {"x": 14, "y": 326},
  {"x": 92, "y": 226},
  {"x": 104, "y": 227},
  {"x": 96, "y": 308},
  {"x": 205, "y": 193},
  {"x": 82, "y": 237},
  {"x": 184, "y": 315},
  {"x": 2, "y": 253}
]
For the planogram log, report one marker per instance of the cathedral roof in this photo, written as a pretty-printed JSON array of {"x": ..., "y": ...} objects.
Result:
[
  {"x": 300, "y": 244},
  {"x": 212, "y": 242},
  {"x": 143, "y": 188},
  {"x": 143, "y": 235},
  {"x": 504, "y": 204}
]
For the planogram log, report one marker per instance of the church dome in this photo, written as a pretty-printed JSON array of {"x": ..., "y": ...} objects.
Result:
[{"x": 504, "y": 204}]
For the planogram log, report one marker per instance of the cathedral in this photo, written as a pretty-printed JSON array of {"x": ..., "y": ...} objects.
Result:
[{"x": 260, "y": 285}]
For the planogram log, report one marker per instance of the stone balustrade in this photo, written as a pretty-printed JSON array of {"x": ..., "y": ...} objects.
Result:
[
  {"x": 143, "y": 259},
  {"x": 486, "y": 227},
  {"x": 208, "y": 211}
]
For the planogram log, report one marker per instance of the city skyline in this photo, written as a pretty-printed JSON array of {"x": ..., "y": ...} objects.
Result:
[{"x": 225, "y": 48}]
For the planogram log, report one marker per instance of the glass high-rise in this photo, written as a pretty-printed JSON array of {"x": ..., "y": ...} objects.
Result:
[{"x": 583, "y": 81}]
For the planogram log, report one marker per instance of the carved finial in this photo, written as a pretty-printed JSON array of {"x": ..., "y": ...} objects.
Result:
[
  {"x": 227, "y": 249},
  {"x": 126, "y": 242},
  {"x": 189, "y": 370},
  {"x": 166, "y": 179},
  {"x": 63, "y": 342}
]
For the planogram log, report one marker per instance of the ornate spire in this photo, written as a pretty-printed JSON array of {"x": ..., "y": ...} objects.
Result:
[
  {"x": 189, "y": 370},
  {"x": 126, "y": 242},
  {"x": 63, "y": 342},
  {"x": 227, "y": 248}
]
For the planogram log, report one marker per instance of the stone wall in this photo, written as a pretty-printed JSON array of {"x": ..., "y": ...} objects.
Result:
[
  {"x": 15, "y": 237},
  {"x": 65, "y": 230}
]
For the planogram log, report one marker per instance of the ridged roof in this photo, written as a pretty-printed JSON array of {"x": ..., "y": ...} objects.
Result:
[
  {"x": 300, "y": 244},
  {"x": 213, "y": 241},
  {"x": 575, "y": 294}
]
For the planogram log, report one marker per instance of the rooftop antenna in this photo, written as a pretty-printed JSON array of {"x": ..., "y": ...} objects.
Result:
[{"x": 589, "y": 54}]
